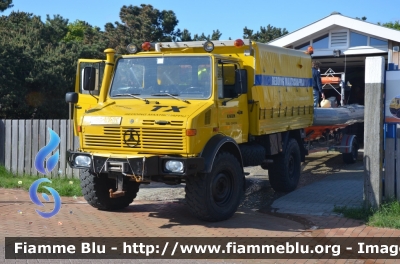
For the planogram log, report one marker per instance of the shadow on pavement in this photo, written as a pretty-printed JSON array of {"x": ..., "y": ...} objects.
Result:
[{"x": 178, "y": 214}]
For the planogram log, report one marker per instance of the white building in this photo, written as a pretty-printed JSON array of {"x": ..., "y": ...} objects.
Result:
[{"x": 342, "y": 43}]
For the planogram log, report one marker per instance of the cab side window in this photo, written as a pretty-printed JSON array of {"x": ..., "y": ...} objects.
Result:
[
  {"x": 98, "y": 77},
  {"x": 226, "y": 80}
]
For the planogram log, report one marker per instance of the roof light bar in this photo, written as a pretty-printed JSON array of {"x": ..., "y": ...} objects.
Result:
[{"x": 196, "y": 44}]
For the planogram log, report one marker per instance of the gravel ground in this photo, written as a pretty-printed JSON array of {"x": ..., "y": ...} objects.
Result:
[{"x": 258, "y": 194}]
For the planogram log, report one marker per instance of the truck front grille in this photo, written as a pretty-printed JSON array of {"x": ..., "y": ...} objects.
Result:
[{"x": 140, "y": 139}]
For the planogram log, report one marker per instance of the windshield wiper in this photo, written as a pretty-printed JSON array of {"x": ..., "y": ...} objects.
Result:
[
  {"x": 171, "y": 95},
  {"x": 134, "y": 96}
]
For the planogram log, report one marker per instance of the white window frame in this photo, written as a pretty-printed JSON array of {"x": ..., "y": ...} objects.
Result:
[{"x": 347, "y": 38}]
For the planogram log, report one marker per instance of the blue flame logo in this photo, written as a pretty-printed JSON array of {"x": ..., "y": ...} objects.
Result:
[
  {"x": 50, "y": 165},
  {"x": 35, "y": 199},
  {"x": 46, "y": 150}
]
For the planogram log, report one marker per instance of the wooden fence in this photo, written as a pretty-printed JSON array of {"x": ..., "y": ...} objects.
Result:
[{"x": 20, "y": 141}]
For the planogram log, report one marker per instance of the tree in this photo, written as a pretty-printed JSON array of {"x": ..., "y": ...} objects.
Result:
[
  {"x": 393, "y": 25},
  {"x": 91, "y": 39},
  {"x": 38, "y": 65},
  {"x": 186, "y": 36},
  {"x": 266, "y": 34},
  {"x": 196, "y": 37},
  {"x": 4, "y": 4},
  {"x": 364, "y": 18},
  {"x": 142, "y": 23},
  {"x": 76, "y": 31},
  {"x": 248, "y": 33},
  {"x": 214, "y": 36},
  {"x": 55, "y": 29},
  {"x": 18, "y": 48}
]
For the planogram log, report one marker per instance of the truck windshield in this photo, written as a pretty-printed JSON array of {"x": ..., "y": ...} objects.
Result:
[{"x": 151, "y": 77}]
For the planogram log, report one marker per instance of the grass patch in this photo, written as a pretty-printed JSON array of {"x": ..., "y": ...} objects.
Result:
[
  {"x": 64, "y": 186},
  {"x": 388, "y": 215},
  {"x": 358, "y": 213}
]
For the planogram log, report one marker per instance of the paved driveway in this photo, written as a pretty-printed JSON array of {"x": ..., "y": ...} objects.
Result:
[{"x": 159, "y": 211}]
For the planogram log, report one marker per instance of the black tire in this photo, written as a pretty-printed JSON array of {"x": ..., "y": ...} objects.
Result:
[
  {"x": 284, "y": 173},
  {"x": 350, "y": 158},
  {"x": 215, "y": 196},
  {"x": 95, "y": 189}
]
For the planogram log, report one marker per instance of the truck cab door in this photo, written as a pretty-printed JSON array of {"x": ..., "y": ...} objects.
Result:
[
  {"x": 232, "y": 107},
  {"x": 87, "y": 99}
]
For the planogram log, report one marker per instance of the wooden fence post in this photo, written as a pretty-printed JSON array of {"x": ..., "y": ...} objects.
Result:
[
  {"x": 56, "y": 128},
  {"x": 2, "y": 141},
  {"x": 28, "y": 157},
  {"x": 14, "y": 147},
  {"x": 21, "y": 147},
  {"x": 63, "y": 146},
  {"x": 8, "y": 144},
  {"x": 373, "y": 134},
  {"x": 35, "y": 145}
]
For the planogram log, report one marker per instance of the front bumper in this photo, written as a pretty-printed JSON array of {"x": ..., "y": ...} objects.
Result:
[{"x": 140, "y": 166}]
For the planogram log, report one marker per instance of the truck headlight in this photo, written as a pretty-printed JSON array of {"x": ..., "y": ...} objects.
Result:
[
  {"x": 174, "y": 166},
  {"x": 82, "y": 161}
]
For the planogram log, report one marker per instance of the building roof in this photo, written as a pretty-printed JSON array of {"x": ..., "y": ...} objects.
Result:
[{"x": 334, "y": 20}]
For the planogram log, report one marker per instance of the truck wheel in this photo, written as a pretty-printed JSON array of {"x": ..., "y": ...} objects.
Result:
[
  {"x": 215, "y": 196},
  {"x": 284, "y": 173},
  {"x": 350, "y": 158},
  {"x": 95, "y": 189}
]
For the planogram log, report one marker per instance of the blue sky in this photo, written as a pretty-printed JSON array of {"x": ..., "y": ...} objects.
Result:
[{"x": 230, "y": 17}]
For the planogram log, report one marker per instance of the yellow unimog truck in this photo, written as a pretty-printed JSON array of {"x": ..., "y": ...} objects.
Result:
[{"x": 190, "y": 112}]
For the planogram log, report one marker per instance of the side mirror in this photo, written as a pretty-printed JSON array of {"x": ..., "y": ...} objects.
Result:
[
  {"x": 71, "y": 98},
  {"x": 240, "y": 81},
  {"x": 89, "y": 78}
]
